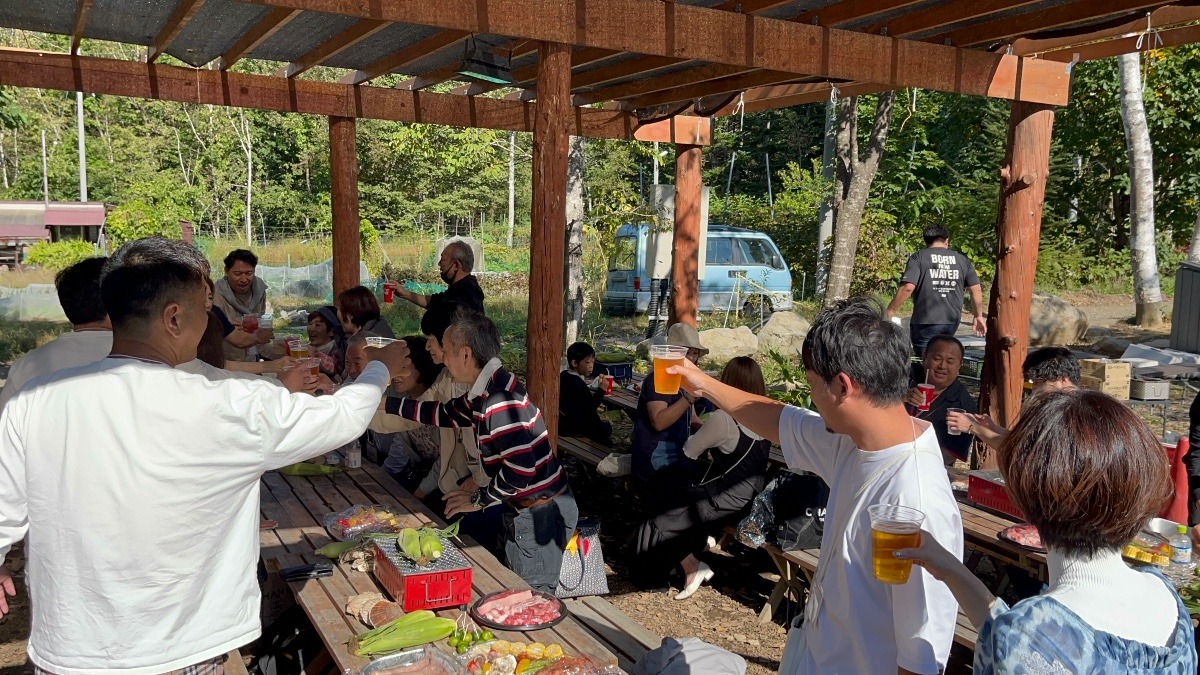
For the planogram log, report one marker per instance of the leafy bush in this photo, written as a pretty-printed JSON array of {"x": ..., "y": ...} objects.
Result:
[
  {"x": 60, "y": 254},
  {"x": 781, "y": 371}
]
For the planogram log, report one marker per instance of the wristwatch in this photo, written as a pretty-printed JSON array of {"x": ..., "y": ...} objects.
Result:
[{"x": 478, "y": 498}]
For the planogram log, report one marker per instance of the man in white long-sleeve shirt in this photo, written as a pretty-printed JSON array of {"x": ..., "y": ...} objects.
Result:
[
  {"x": 136, "y": 485},
  {"x": 90, "y": 339}
]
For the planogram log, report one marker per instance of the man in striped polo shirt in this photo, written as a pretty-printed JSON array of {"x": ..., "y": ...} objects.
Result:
[{"x": 540, "y": 511}]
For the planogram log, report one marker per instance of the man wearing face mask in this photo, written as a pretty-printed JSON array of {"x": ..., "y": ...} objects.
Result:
[{"x": 455, "y": 264}]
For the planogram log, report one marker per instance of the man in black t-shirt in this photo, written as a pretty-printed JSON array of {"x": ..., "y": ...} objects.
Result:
[
  {"x": 455, "y": 266},
  {"x": 936, "y": 277}
]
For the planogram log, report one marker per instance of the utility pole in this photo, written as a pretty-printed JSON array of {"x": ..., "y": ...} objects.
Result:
[
  {"x": 45, "y": 176},
  {"x": 83, "y": 197}
]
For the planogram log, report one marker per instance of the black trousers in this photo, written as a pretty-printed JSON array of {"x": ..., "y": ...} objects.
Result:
[
  {"x": 683, "y": 525},
  {"x": 1192, "y": 461}
]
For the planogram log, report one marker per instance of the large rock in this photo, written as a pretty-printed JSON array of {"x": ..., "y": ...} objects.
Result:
[
  {"x": 784, "y": 333},
  {"x": 1053, "y": 321},
  {"x": 1112, "y": 347},
  {"x": 726, "y": 343}
]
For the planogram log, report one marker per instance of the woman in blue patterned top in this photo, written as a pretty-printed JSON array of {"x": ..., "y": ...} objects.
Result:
[{"x": 1088, "y": 473}]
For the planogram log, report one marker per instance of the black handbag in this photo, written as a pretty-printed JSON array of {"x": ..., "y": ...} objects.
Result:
[
  {"x": 788, "y": 513},
  {"x": 799, "y": 503}
]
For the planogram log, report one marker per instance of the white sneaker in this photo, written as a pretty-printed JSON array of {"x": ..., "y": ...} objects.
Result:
[
  {"x": 703, "y": 574},
  {"x": 712, "y": 543}
]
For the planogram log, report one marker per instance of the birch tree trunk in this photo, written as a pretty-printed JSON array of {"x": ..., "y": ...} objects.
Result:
[
  {"x": 854, "y": 177},
  {"x": 573, "y": 307},
  {"x": 825, "y": 216},
  {"x": 512, "y": 185},
  {"x": 1194, "y": 251},
  {"x": 1147, "y": 293}
]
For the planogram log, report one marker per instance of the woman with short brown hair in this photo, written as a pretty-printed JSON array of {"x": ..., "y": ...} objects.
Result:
[
  {"x": 358, "y": 310},
  {"x": 1089, "y": 474}
]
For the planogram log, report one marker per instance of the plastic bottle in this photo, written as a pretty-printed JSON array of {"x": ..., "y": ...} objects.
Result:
[
  {"x": 354, "y": 461},
  {"x": 1181, "y": 546}
]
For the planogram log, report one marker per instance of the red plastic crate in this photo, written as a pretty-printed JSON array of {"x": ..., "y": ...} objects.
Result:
[
  {"x": 986, "y": 488},
  {"x": 444, "y": 583}
]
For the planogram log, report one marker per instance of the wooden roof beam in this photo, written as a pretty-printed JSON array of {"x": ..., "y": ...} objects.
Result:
[
  {"x": 1170, "y": 37},
  {"x": 846, "y": 11},
  {"x": 524, "y": 77},
  {"x": 724, "y": 85},
  {"x": 944, "y": 15},
  {"x": 136, "y": 79},
  {"x": 81, "y": 16},
  {"x": 175, "y": 24},
  {"x": 335, "y": 45},
  {"x": 751, "y": 6},
  {"x": 1060, "y": 16},
  {"x": 258, "y": 34},
  {"x": 409, "y": 55},
  {"x": 689, "y": 32},
  {"x": 786, "y": 96},
  {"x": 433, "y": 77},
  {"x": 670, "y": 81},
  {"x": 1162, "y": 18}
]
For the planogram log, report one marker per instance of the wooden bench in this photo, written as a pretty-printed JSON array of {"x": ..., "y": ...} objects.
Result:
[
  {"x": 805, "y": 560},
  {"x": 615, "y": 629},
  {"x": 585, "y": 449},
  {"x": 234, "y": 665}
]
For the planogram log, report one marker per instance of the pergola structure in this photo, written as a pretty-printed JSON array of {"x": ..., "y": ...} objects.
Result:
[{"x": 652, "y": 70}]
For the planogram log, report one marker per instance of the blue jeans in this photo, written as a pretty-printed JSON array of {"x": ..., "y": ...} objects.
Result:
[
  {"x": 922, "y": 333},
  {"x": 534, "y": 539}
]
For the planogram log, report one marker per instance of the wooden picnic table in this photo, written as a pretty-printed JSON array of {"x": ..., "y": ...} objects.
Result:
[
  {"x": 981, "y": 530},
  {"x": 298, "y": 504}
]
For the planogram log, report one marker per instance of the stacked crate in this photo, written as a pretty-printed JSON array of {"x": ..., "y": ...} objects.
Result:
[{"x": 1106, "y": 375}]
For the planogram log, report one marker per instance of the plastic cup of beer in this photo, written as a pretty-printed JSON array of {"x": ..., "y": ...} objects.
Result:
[
  {"x": 313, "y": 365},
  {"x": 250, "y": 323},
  {"x": 301, "y": 349},
  {"x": 927, "y": 395},
  {"x": 664, "y": 357},
  {"x": 893, "y": 528},
  {"x": 954, "y": 432}
]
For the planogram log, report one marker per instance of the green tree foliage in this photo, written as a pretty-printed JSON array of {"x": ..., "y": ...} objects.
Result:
[{"x": 60, "y": 254}]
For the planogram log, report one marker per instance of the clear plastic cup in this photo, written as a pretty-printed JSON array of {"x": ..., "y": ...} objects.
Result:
[
  {"x": 379, "y": 341},
  {"x": 664, "y": 357},
  {"x": 301, "y": 349},
  {"x": 893, "y": 528},
  {"x": 954, "y": 432},
  {"x": 250, "y": 323}
]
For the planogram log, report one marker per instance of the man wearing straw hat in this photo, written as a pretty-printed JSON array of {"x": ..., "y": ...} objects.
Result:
[{"x": 664, "y": 421}]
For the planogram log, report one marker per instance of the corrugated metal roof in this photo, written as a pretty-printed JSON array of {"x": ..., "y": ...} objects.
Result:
[
  {"x": 387, "y": 41},
  {"x": 44, "y": 16},
  {"x": 74, "y": 214},
  {"x": 132, "y": 21},
  {"x": 302, "y": 35},
  {"x": 22, "y": 232},
  {"x": 215, "y": 28}
]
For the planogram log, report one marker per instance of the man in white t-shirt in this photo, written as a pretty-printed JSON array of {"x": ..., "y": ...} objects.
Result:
[
  {"x": 869, "y": 451},
  {"x": 136, "y": 485},
  {"x": 78, "y": 288}
]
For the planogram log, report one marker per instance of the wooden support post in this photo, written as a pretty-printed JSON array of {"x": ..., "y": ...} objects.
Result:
[
  {"x": 343, "y": 181},
  {"x": 1018, "y": 230},
  {"x": 685, "y": 245},
  {"x": 548, "y": 231}
]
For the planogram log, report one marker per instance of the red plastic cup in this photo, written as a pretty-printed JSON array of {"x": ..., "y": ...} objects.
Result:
[
  {"x": 250, "y": 323},
  {"x": 388, "y": 293},
  {"x": 928, "y": 393},
  {"x": 608, "y": 384}
]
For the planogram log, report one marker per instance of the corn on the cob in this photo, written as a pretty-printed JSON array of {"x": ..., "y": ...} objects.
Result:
[
  {"x": 336, "y": 549},
  {"x": 403, "y": 633},
  {"x": 308, "y": 469},
  {"x": 431, "y": 546}
]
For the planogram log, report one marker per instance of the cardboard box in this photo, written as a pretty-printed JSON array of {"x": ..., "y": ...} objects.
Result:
[
  {"x": 1106, "y": 370},
  {"x": 1107, "y": 376}
]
